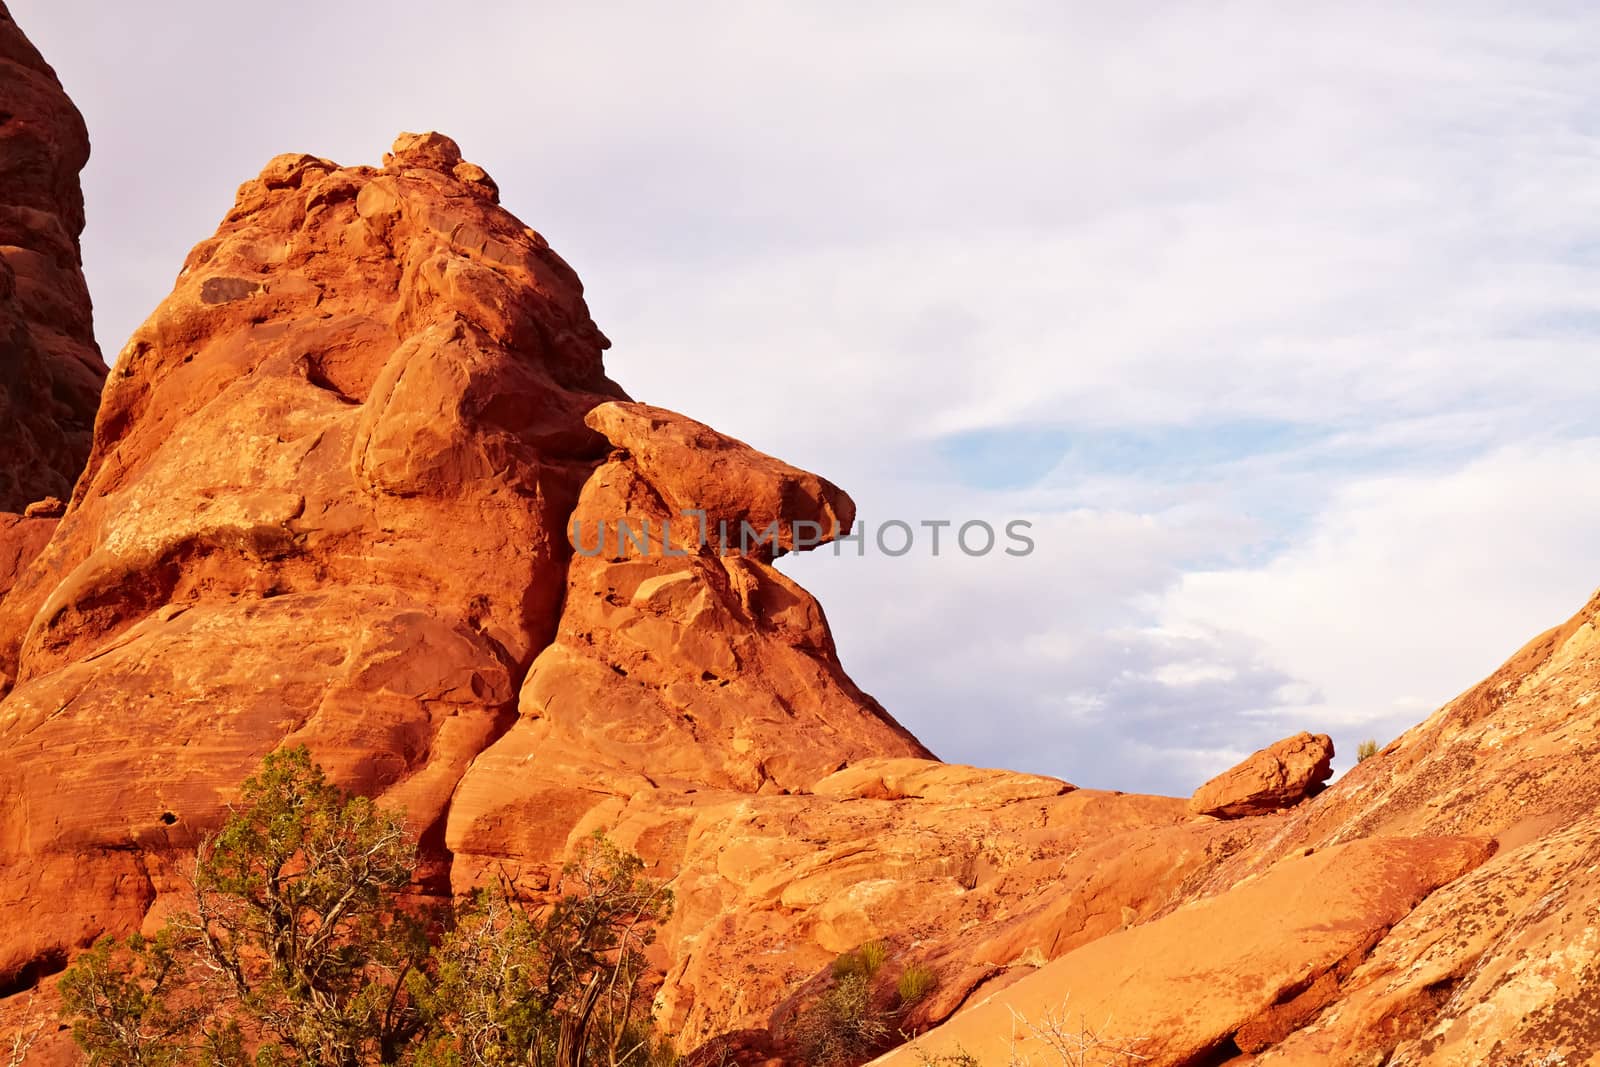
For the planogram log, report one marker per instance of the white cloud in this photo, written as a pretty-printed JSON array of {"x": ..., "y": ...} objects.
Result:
[{"x": 1410, "y": 588}]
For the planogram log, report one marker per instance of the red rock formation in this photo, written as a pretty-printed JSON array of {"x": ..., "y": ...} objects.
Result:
[
  {"x": 50, "y": 366},
  {"x": 1181, "y": 989},
  {"x": 325, "y": 504},
  {"x": 329, "y": 502},
  {"x": 22, "y": 538},
  {"x": 1279, "y": 776},
  {"x": 1496, "y": 966}
]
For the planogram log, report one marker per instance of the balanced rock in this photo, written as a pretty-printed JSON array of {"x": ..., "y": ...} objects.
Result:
[
  {"x": 1493, "y": 965},
  {"x": 1279, "y": 776}
]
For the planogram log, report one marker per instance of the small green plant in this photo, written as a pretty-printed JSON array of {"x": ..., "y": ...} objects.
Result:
[
  {"x": 915, "y": 982},
  {"x": 867, "y": 960},
  {"x": 1366, "y": 750},
  {"x": 958, "y": 1058},
  {"x": 844, "y": 1026}
]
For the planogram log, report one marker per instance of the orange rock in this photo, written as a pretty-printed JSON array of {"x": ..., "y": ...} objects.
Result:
[
  {"x": 1279, "y": 776},
  {"x": 1492, "y": 967},
  {"x": 325, "y": 504},
  {"x": 53, "y": 371},
  {"x": 22, "y": 538},
  {"x": 739, "y": 494},
  {"x": 329, "y": 502},
  {"x": 1497, "y": 967},
  {"x": 1177, "y": 990}
]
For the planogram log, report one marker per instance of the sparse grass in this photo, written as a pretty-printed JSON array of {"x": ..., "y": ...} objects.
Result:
[
  {"x": 1064, "y": 1046},
  {"x": 867, "y": 960},
  {"x": 1366, "y": 750},
  {"x": 916, "y": 982}
]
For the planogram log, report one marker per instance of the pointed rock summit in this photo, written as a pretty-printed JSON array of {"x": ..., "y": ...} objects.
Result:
[{"x": 329, "y": 502}]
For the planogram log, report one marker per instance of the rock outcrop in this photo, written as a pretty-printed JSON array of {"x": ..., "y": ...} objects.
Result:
[
  {"x": 22, "y": 538},
  {"x": 333, "y": 496},
  {"x": 1279, "y": 776},
  {"x": 1216, "y": 979},
  {"x": 50, "y": 366},
  {"x": 325, "y": 505},
  {"x": 1491, "y": 960}
]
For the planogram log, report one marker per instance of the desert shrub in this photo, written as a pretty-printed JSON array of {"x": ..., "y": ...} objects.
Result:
[
  {"x": 118, "y": 995},
  {"x": 297, "y": 913},
  {"x": 844, "y": 1026},
  {"x": 1366, "y": 750},
  {"x": 298, "y": 953},
  {"x": 517, "y": 986},
  {"x": 915, "y": 982}
]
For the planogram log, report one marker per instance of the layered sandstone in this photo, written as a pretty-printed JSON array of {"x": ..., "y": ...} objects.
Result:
[{"x": 50, "y": 366}]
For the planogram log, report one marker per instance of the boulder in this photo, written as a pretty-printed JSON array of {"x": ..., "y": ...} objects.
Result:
[{"x": 1278, "y": 776}]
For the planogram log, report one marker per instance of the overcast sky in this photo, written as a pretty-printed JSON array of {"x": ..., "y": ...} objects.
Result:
[{"x": 1279, "y": 321}]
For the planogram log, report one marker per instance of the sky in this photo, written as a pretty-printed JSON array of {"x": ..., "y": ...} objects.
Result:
[{"x": 1278, "y": 323}]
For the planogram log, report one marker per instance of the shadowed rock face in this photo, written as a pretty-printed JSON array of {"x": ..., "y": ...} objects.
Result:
[{"x": 50, "y": 366}]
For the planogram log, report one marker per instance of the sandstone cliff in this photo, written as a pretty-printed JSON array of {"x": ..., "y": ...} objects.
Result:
[{"x": 50, "y": 367}]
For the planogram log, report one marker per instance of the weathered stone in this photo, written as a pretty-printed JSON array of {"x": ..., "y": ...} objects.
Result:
[
  {"x": 1279, "y": 776},
  {"x": 50, "y": 366}
]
